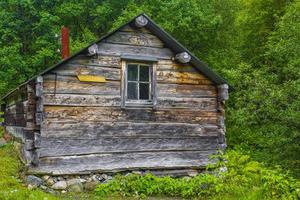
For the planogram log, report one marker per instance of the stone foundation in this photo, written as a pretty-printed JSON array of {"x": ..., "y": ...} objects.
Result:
[{"x": 80, "y": 183}]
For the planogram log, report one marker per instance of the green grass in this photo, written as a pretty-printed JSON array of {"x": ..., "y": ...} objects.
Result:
[{"x": 11, "y": 186}]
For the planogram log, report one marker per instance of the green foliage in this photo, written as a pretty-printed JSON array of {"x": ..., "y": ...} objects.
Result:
[
  {"x": 255, "y": 44},
  {"x": 244, "y": 179}
]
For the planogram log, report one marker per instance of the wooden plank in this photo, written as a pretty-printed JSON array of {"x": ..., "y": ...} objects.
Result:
[
  {"x": 129, "y": 28},
  {"x": 94, "y": 130},
  {"x": 15, "y": 119},
  {"x": 122, "y": 161},
  {"x": 187, "y": 103},
  {"x": 82, "y": 100},
  {"x": 118, "y": 50},
  {"x": 31, "y": 108},
  {"x": 186, "y": 91},
  {"x": 71, "y": 146},
  {"x": 99, "y": 60},
  {"x": 73, "y": 70},
  {"x": 170, "y": 65},
  {"x": 39, "y": 86},
  {"x": 182, "y": 78},
  {"x": 115, "y": 101},
  {"x": 16, "y": 131},
  {"x": 19, "y": 108},
  {"x": 109, "y": 114},
  {"x": 71, "y": 85},
  {"x": 135, "y": 38}
]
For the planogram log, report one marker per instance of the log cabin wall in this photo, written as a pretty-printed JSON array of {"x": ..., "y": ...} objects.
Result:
[
  {"x": 85, "y": 129},
  {"x": 19, "y": 112}
]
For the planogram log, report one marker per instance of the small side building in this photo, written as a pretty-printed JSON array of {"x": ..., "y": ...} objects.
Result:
[{"x": 134, "y": 100}]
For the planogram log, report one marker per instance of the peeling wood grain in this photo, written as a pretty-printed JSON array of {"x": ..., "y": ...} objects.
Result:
[
  {"x": 71, "y": 85},
  {"x": 94, "y": 130},
  {"x": 122, "y": 161},
  {"x": 135, "y": 38},
  {"x": 67, "y": 147},
  {"x": 109, "y": 114},
  {"x": 73, "y": 70},
  {"x": 118, "y": 50}
]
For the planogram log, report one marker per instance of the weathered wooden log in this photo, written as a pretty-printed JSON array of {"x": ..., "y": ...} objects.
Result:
[
  {"x": 223, "y": 92},
  {"x": 39, "y": 86},
  {"x": 37, "y": 140},
  {"x": 183, "y": 57},
  {"x": 182, "y": 78},
  {"x": 16, "y": 131},
  {"x": 122, "y": 162},
  {"x": 65, "y": 147},
  {"x": 99, "y": 60},
  {"x": 115, "y": 101},
  {"x": 110, "y": 73},
  {"x": 109, "y": 114},
  {"x": 28, "y": 144},
  {"x": 119, "y": 49},
  {"x": 39, "y": 102},
  {"x": 135, "y": 38},
  {"x": 26, "y": 156},
  {"x": 94, "y": 130},
  {"x": 35, "y": 158},
  {"x": 93, "y": 49},
  {"x": 71, "y": 85},
  {"x": 186, "y": 91},
  {"x": 133, "y": 28},
  {"x": 140, "y": 21}
]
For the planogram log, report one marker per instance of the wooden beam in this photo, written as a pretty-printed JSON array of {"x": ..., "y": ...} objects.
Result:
[
  {"x": 93, "y": 50},
  {"x": 141, "y": 21},
  {"x": 39, "y": 86},
  {"x": 183, "y": 57},
  {"x": 223, "y": 92},
  {"x": 39, "y": 103}
]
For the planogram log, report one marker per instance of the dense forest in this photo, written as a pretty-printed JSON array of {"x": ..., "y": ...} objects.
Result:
[{"x": 254, "y": 44}]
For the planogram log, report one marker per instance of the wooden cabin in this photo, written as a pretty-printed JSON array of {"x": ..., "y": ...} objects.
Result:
[{"x": 134, "y": 100}]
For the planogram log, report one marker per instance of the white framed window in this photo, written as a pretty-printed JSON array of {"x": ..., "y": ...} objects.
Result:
[{"x": 138, "y": 84}]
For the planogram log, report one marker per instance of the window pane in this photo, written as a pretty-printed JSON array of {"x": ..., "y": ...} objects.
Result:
[
  {"x": 144, "y": 73},
  {"x": 132, "y": 91},
  {"x": 144, "y": 91},
  {"x": 132, "y": 72}
]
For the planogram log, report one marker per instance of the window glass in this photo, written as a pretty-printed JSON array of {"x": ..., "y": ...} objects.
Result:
[
  {"x": 132, "y": 72},
  {"x": 144, "y": 91},
  {"x": 132, "y": 90},
  {"x": 138, "y": 82},
  {"x": 144, "y": 73}
]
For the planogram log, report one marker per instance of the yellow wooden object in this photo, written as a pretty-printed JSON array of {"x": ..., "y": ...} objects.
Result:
[{"x": 91, "y": 78}]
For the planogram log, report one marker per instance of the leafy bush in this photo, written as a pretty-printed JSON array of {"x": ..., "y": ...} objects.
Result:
[{"x": 243, "y": 179}]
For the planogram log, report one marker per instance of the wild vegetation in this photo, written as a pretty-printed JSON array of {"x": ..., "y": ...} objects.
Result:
[
  {"x": 239, "y": 178},
  {"x": 254, "y": 44}
]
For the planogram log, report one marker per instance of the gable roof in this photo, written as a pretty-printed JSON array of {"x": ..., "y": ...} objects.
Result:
[{"x": 166, "y": 38}]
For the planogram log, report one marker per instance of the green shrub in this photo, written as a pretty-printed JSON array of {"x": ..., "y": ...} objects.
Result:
[{"x": 243, "y": 179}]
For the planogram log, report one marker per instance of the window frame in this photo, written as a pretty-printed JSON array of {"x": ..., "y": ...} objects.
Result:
[{"x": 151, "y": 102}]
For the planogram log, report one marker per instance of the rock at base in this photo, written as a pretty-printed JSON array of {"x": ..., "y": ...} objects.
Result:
[
  {"x": 75, "y": 185},
  {"x": 60, "y": 185},
  {"x": 91, "y": 185},
  {"x": 34, "y": 181},
  {"x": 2, "y": 142}
]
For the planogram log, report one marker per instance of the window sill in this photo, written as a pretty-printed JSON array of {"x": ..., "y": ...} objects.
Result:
[{"x": 139, "y": 105}]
